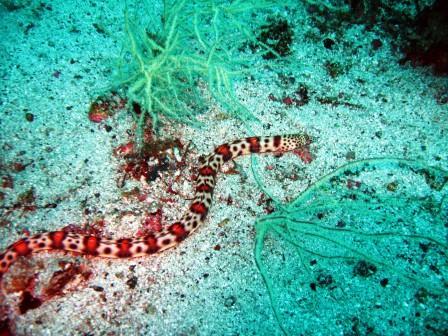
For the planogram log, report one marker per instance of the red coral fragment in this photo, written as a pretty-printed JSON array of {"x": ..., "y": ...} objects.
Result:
[
  {"x": 287, "y": 101},
  {"x": 304, "y": 154},
  {"x": 124, "y": 150},
  {"x": 135, "y": 193},
  {"x": 23, "y": 278},
  {"x": 137, "y": 169},
  {"x": 142, "y": 197},
  {"x": 152, "y": 222},
  {"x": 98, "y": 112},
  {"x": 62, "y": 278},
  {"x": 28, "y": 302},
  {"x": 106, "y": 106}
]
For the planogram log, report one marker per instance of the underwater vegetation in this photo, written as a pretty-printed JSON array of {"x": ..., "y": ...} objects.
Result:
[
  {"x": 278, "y": 35},
  {"x": 418, "y": 29},
  {"x": 426, "y": 42},
  {"x": 370, "y": 218},
  {"x": 195, "y": 49}
]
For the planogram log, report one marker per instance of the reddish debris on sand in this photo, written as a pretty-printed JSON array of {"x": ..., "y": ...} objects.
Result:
[
  {"x": 94, "y": 229},
  {"x": 134, "y": 194},
  {"x": 57, "y": 284},
  {"x": 26, "y": 201},
  {"x": 28, "y": 302},
  {"x": 24, "y": 277},
  {"x": 60, "y": 279},
  {"x": 97, "y": 114},
  {"x": 298, "y": 98},
  {"x": 304, "y": 154},
  {"x": 152, "y": 222},
  {"x": 170, "y": 190},
  {"x": 124, "y": 150},
  {"x": 5, "y": 330},
  {"x": 7, "y": 182},
  {"x": 73, "y": 228},
  {"x": 24, "y": 281},
  {"x": 351, "y": 184},
  {"x": 266, "y": 202},
  {"x": 18, "y": 166},
  {"x": 287, "y": 100},
  {"x": 137, "y": 168},
  {"x": 137, "y": 164},
  {"x": 106, "y": 106}
]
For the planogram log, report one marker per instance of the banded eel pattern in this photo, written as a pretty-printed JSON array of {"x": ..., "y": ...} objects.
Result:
[{"x": 174, "y": 233}]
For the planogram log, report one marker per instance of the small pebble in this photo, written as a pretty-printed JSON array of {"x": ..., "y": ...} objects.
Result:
[
  {"x": 329, "y": 43},
  {"x": 230, "y": 301},
  {"x": 98, "y": 288},
  {"x": 351, "y": 155},
  {"x": 132, "y": 282},
  {"x": 392, "y": 186},
  {"x": 364, "y": 269},
  {"x": 29, "y": 117}
]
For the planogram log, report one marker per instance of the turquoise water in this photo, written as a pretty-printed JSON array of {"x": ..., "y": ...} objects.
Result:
[{"x": 293, "y": 244}]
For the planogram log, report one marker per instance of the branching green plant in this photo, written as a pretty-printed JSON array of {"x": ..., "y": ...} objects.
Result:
[
  {"x": 382, "y": 217},
  {"x": 197, "y": 46}
]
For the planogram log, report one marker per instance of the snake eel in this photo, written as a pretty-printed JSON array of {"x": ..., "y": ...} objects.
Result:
[{"x": 155, "y": 242}]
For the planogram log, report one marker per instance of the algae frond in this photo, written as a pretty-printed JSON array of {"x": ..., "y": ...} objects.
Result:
[
  {"x": 387, "y": 212},
  {"x": 196, "y": 47}
]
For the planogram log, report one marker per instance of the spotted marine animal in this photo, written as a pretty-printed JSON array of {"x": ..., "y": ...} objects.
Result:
[{"x": 174, "y": 233}]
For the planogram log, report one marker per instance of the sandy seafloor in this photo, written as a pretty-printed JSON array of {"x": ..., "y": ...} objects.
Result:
[{"x": 54, "y": 63}]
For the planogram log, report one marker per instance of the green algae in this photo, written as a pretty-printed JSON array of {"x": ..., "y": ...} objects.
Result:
[
  {"x": 197, "y": 49},
  {"x": 388, "y": 213}
]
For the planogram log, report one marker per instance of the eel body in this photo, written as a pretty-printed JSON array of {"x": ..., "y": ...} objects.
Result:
[{"x": 152, "y": 243}]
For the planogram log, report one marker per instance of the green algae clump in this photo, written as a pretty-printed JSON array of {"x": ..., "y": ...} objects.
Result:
[
  {"x": 194, "y": 50},
  {"x": 352, "y": 225}
]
